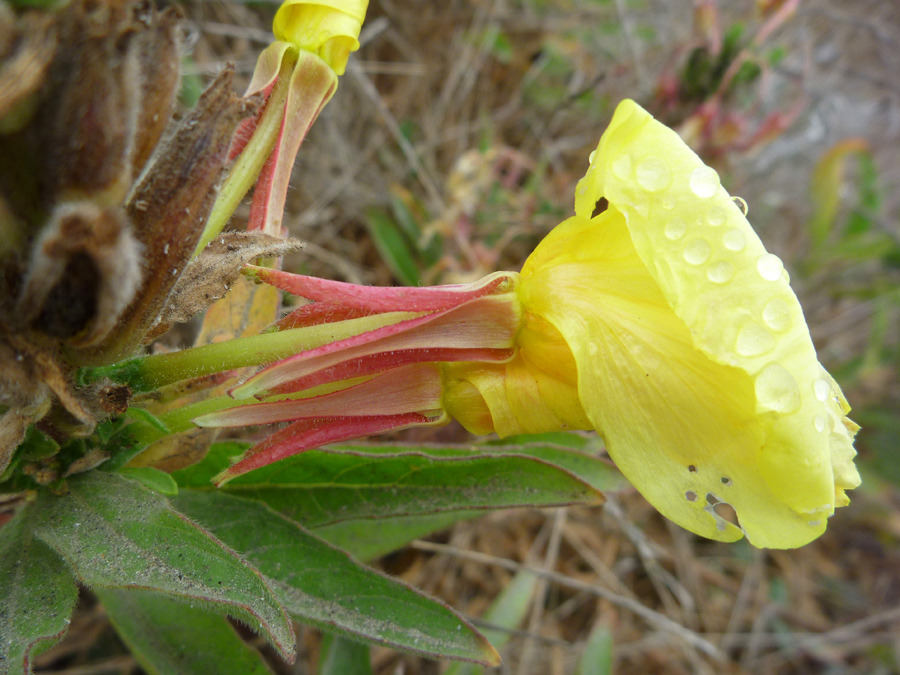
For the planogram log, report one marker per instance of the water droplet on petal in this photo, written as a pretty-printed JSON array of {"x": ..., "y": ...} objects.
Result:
[
  {"x": 653, "y": 175},
  {"x": 769, "y": 267},
  {"x": 720, "y": 273},
  {"x": 697, "y": 251},
  {"x": 777, "y": 390},
  {"x": 821, "y": 390},
  {"x": 734, "y": 239},
  {"x": 591, "y": 157},
  {"x": 621, "y": 167},
  {"x": 716, "y": 216},
  {"x": 820, "y": 423},
  {"x": 754, "y": 340},
  {"x": 777, "y": 315},
  {"x": 675, "y": 229},
  {"x": 741, "y": 204},
  {"x": 669, "y": 202},
  {"x": 704, "y": 182}
]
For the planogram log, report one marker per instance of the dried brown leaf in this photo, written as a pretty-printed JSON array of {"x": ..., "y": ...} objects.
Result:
[{"x": 209, "y": 276}]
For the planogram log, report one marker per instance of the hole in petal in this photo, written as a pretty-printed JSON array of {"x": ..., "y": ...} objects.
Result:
[
  {"x": 690, "y": 496},
  {"x": 726, "y": 480},
  {"x": 601, "y": 206},
  {"x": 711, "y": 499},
  {"x": 726, "y": 512},
  {"x": 692, "y": 468}
]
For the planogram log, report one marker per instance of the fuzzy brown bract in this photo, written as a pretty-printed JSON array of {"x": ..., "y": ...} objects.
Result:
[{"x": 99, "y": 216}]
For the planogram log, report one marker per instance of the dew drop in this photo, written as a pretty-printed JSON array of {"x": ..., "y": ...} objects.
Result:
[
  {"x": 675, "y": 229},
  {"x": 591, "y": 157},
  {"x": 777, "y": 315},
  {"x": 769, "y": 267},
  {"x": 777, "y": 390},
  {"x": 821, "y": 390},
  {"x": 741, "y": 204},
  {"x": 819, "y": 423},
  {"x": 697, "y": 251},
  {"x": 720, "y": 273},
  {"x": 704, "y": 182},
  {"x": 621, "y": 167},
  {"x": 734, "y": 240},
  {"x": 653, "y": 175},
  {"x": 754, "y": 340},
  {"x": 716, "y": 216},
  {"x": 669, "y": 202}
]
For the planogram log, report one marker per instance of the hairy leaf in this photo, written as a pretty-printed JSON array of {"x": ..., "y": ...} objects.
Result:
[
  {"x": 339, "y": 483},
  {"x": 151, "y": 478},
  {"x": 370, "y": 539},
  {"x": 324, "y": 586},
  {"x": 37, "y": 594},
  {"x": 340, "y": 656},
  {"x": 115, "y": 533},
  {"x": 168, "y": 637}
]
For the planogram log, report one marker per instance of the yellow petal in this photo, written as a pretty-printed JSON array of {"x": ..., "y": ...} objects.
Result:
[
  {"x": 328, "y": 28},
  {"x": 535, "y": 392},
  {"x": 694, "y": 360}
]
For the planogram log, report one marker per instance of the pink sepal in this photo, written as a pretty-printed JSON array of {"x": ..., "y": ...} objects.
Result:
[
  {"x": 316, "y": 313},
  {"x": 375, "y": 299},
  {"x": 483, "y": 323},
  {"x": 313, "y": 433},
  {"x": 377, "y": 363},
  {"x": 413, "y": 388}
]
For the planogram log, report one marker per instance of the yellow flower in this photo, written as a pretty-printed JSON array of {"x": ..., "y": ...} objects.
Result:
[
  {"x": 687, "y": 350},
  {"x": 661, "y": 322},
  {"x": 327, "y": 28}
]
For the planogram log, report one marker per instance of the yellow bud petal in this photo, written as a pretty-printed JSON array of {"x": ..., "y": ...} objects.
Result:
[{"x": 327, "y": 28}]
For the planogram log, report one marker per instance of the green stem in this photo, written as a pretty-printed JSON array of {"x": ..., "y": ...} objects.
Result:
[
  {"x": 179, "y": 420},
  {"x": 146, "y": 373},
  {"x": 250, "y": 162}
]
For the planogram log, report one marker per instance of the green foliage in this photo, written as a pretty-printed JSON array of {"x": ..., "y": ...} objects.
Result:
[
  {"x": 343, "y": 657},
  {"x": 38, "y": 594},
  {"x": 115, "y": 533},
  {"x": 597, "y": 658},
  {"x": 170, "y": 637},
  {"x": 505, "y": 613},
  {"x": 160, "y": 550},
  {"x": 323, "y": 586}
]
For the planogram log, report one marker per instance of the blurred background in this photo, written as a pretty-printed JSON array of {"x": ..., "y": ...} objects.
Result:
[{"x": 453, "y": 146}]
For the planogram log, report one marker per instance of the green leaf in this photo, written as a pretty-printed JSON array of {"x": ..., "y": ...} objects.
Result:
[
  {"x": 322, "y": 487},
  {"x": 597, "y": 658},
  {"x": 142, "y": 415},
  {"x": 393, "y": 247},
  {"x": 115, "y": 533},
  {"x": 34, "y": 447},
  {"x": 322, "y": 585},
  {"x": 37, "y": 594},
  {"x": 826, "y": 185},
  {"x": 151, "y": 478},
  {"x": 600, "y": 474},
  {"x": 340, "y": 656},
  {"x": 506, "y": 612},
  {"x": 370, "y": 539},
  {"x": 172, "y": 638}
]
